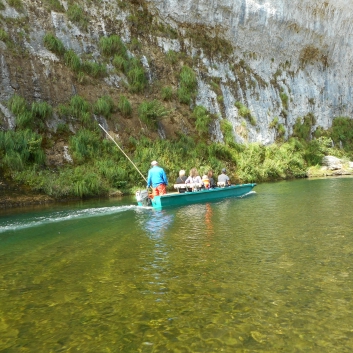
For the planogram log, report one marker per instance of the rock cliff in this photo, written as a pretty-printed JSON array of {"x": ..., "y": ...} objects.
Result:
[{"x": 281, "y": 59}]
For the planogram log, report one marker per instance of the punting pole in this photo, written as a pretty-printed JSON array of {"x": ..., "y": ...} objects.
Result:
[{"x": 122, "y": 151}]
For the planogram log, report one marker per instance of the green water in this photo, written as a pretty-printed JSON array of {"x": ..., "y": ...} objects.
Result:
[{"x": 271, "y": 272}]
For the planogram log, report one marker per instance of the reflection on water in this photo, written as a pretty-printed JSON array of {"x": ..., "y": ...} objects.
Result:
[{"x": 268, "y": 273}]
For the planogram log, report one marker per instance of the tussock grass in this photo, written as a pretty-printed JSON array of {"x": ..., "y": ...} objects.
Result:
[
  {"x": 4, "y": 36},
  {"x": 54, "y": 44},
  {"x": 76, "y": 14},
  {"x": 94, "y": 69},
  {"x": 72, "y": 60},
  {"x": 2, "y": 6},
  {"x": 245, "y": 113},
  {"x": 54, "y": 5},
  {"x": 124, "y": 106},
  {"x": 227, "y": 131},
  {"x": 202, "y": 120},
  {"x": 188, "y": 85},
  {"x": 104, "y": 106},
  {"x": 167, "y": 93},
  {"x": 17, "y": 4},
  {"x": 112, "y": 45},
  {"x": 151, "y": 112}
]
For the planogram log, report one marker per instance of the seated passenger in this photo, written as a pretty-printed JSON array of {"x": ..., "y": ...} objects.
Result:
[
  {"x": 193, "y": 177},
  {"x": 181, "y": 180},
  {"x": 206, "y": 182},
  {"x": 210, "y": 178},
  {"x": 224, "y": 178}
]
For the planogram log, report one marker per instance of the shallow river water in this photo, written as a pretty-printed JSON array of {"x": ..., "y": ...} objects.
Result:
[{"x": 270, "y": 272}]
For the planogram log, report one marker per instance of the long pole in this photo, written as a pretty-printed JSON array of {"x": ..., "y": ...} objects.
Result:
[{"x": 122, "y": 151}]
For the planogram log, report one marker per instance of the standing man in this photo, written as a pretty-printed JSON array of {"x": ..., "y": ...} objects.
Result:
[
  {"x": 157, "y": 179},
  {"x": 224, "y": 178}
]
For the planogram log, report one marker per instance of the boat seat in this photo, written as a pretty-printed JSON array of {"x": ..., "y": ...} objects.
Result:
[{"x": 189, "y": 186}]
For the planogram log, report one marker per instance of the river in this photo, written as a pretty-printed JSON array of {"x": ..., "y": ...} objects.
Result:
[{"x": 270, "y": 272}]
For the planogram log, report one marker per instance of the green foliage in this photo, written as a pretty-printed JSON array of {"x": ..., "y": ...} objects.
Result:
[
  {"x": 172, "y": 57},
  {"x": 3, "y": 35},
  {"x": 42, "y": 110},
  {"x": 19, "y": 148},
  {"x": 188, "y": 85},
  {"x": 62, "y": 128},
  {"x": 2, "y": 7},
  {"x": 52, "y": 43},
  {"x": 342, "y": 132},
  {"x": 112, "y": 45},
  {"x": 227, "y": 131},
  {"x": 124, "y": 106},
  {"x": 284, "y": 99},
  {"x": 104, "y": 106},
  {"x": 302, "y": 127},
  {"x": 245, "y": 113},
  {"x": 167, "y": 93},
  {"x": 72, "y": 60},
  {"x": 136, "y": 75},
  {"x": 84, "y": 145},
  {"x": 274, "y": 123},
  {"x": 151, "y": 112},
  {"x": 17, "y": 4},
  {"x": 120, "y": 62},
  {"x": 94, "y": 69},
  {"x": 76, "y": 14},
  {"x": 17, "y": 104},
  {"x": 54, "y": 5},
  {"x": 202, "y": 119}
]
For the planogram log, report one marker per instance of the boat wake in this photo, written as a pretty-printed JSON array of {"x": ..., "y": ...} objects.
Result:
[{"x": 60, "y": 216}]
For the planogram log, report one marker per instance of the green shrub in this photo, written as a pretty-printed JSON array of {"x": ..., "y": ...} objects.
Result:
[
  {"x": 151, "y": 112},
  {"x": 54, "y": 5},
  {"x": 342, "y": 131},
  {"x": 72, "y": 60},
  {"x": 94, "y": 69},
  {"x": 172, "y": 57},
  {"x": 78, "y": 106},
  {"x": 112, "y": 45},
  {"x": 273, "y": 123},
  {"x": 188, "y": 85},
  {"x": 52, "y": 43},
  {"x": 20, "y": 148},
  {"x": 62, "y": 128},
  {"x": 120, "y": 62},
  {"x": 167, "y": 93},
  {"x": 124, "y": 106},
  {"x": 284, "y": 99},
  {"x": 3, "y": 35},
  {"x": 302, "y": 127},
  {"x": 76, "y": 14},
  {"x": 104, "y": 106},
  {"x": 2, "y": 6},
  {"x": 202, "y": 119},
  {"x": 17, "y": 4},
  {"x": 184, "y": 95},
  {"x": 17, "y": 104},
  {"x": 84, "y": 145},
  {"x": 227, "y": 131},
  {"x": 42, "y": 110},
  {"x": 245, "y": 113}
]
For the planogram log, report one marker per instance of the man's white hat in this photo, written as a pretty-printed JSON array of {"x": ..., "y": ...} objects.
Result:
[{"x": 154, "y": 163}]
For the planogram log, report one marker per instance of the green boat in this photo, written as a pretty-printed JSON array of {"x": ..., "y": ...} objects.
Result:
[{"x": 190, "y": 197}]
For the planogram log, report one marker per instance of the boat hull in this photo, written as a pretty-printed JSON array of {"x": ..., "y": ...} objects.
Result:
[{"x": 176, "y": 199}]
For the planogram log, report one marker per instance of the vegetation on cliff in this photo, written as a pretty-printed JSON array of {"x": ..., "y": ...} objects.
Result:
[{"x": 151, "y": 108}]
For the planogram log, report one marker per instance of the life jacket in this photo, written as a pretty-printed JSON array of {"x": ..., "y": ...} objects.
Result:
[{"x": 206, "y": 181}]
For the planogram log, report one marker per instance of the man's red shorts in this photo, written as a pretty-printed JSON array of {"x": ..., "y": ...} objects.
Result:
[{"x": 159, "y": 190}]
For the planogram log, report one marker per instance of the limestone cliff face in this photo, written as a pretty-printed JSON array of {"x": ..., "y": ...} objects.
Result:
[
  {"x": 303, "y": 48},
  {"x": 286, "y": 59}
]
